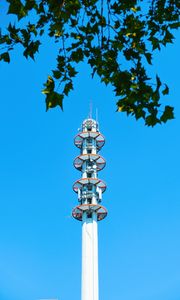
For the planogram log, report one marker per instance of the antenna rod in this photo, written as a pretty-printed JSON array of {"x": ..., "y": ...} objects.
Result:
[
  {"x": 97, "y": 115},
  {"x": 90, "y": 109}
]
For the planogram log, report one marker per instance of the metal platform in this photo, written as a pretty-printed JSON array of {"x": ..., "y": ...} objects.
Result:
[
  {"x": 85, "y": 181},
  {"x": 100, "y": 140},
  {"x": 98, "y": 159},
  {"x": 78, "y": 211}
]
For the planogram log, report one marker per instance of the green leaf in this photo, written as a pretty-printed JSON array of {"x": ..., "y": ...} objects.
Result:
[
  {"x": 32, "y": 28},
  {"x": 17, "y": 8},
  {"x": 54, "y": 99},
  {"x": 5, "y": 56},
  {"x": 166, "y": 90},
  {"x": 156, "y": 95},
  {"x": 168, "y": 38},
  {"x": 151, "y": 120},
  {"x": 140, "y": 113},
  {"x": 26, "y": 37},
  {"x": 5, "y": 39},
  {"x": 30, "y": 4},
  {"x": 14, "y": 33},
  {"x": 41, "y": 32},
  {"x": 155, "y": 43},
  {"x": 174, "y": 25},
  {"x": 31, "y": 49},
  {"x": 50, "y": 85},
  {"x": 71, "y": 71},
  {"x": 57, "y": 74},
  {"x": 105, "y": 80},
  {"x": 168, "y": 114},
  {"x": 77, "y": 55},
  {"x": 148, "y": 57},
  {"x": 68, "y": 87},
  {"x": 158, "y": 82}
]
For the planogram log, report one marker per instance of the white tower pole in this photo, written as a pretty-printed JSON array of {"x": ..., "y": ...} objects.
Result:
[{"x": 89, "y": 258}]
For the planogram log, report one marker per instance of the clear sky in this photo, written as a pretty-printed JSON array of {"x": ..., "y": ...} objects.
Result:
[{"x": 40, "y": 244}]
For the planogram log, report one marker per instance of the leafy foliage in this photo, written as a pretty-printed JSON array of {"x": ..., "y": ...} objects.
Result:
[{"x": 116, "y": 38}]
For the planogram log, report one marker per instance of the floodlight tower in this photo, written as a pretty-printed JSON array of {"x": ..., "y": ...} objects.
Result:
[{"x": 89, "y": 210}]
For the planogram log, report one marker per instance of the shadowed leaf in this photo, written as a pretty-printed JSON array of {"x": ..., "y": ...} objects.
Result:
[
  {"x": 5, "y": 56},
  {"x": 168, "y": 114}
]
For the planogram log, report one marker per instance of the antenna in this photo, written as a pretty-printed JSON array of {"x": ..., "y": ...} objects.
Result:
[
  {"x": 90, "y": 109},
  {"x": 97, "y": 115}
]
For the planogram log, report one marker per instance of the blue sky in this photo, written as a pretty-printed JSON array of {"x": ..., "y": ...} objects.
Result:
[{"x": 40, "y": 244}]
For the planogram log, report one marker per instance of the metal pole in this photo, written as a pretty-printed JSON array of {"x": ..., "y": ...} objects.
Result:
[{"x": 89, "y": 258}]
